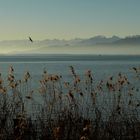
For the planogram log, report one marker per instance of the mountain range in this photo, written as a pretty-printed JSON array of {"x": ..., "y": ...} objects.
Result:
[
  {"x": 73, "y": 45},
  {"x": 97, "y": 40}
]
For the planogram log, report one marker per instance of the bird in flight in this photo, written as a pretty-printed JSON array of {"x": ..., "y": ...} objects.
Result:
[{"x": 30, "y": 39}]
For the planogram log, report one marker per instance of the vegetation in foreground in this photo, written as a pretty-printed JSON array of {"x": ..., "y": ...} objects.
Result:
[{"x": 78, "y": 109}]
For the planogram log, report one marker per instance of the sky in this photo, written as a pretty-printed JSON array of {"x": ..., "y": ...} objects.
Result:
[{"x": 68, "y": 19}]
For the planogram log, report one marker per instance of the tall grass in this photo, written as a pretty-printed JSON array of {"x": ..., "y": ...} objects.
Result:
[{"x": 77, "y": 109}]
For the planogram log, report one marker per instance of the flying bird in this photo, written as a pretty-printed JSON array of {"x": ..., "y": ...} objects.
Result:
[
  {"x": 30, "y": 39},
  {"x": 135, "y": 69}
]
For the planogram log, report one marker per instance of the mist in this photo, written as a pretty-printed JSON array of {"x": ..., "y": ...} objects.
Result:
[{"x": 95, "y": 50}]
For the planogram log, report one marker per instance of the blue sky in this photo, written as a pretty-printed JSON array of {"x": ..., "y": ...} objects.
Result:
[{"x": 66, "y": 19}]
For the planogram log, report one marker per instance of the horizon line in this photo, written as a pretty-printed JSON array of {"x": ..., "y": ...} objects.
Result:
[{"x": 121, "y": 37}]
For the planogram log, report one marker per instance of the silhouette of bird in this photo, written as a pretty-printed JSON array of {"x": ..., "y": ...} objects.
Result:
[
  {"x": 135, "y": 69},
  {"x": 30, "y": 39}
]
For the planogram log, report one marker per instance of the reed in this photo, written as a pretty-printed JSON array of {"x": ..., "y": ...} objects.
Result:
[{"x": 76, "y": 109}]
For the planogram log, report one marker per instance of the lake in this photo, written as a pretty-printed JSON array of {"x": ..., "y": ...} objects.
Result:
[{"x": 102, "y": 66}]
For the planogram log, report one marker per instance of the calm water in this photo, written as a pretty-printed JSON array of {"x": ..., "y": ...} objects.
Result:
[{"x": 102, "y": 66}]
